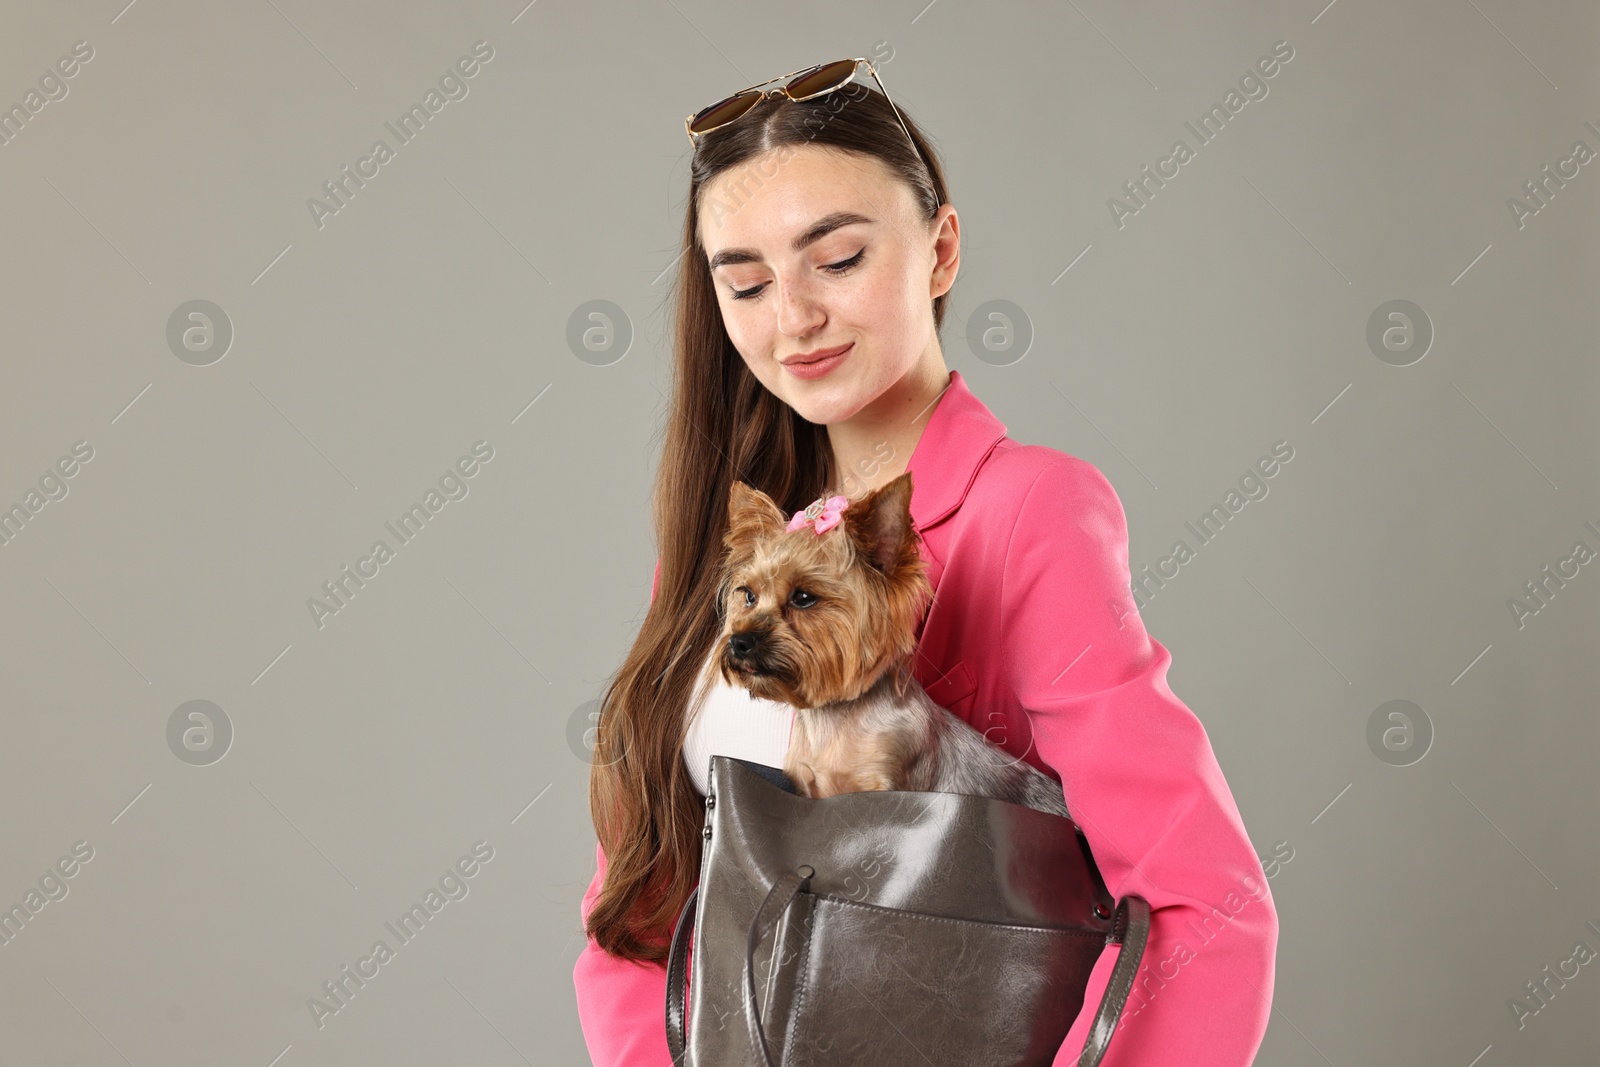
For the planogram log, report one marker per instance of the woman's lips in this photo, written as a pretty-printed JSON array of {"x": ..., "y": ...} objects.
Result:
[{"x": 817, "y": 368}]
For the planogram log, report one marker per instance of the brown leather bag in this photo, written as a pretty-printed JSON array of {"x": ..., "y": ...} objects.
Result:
[{"x": 911, "y": 928}]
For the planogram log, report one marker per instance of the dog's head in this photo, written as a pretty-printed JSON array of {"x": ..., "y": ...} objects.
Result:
[{"x": 814, "y": 618}]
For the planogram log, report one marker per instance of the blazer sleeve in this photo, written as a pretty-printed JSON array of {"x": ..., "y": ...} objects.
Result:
[
  {"x": 1139, "y": 776},
  {"x": 621, "y": 1003}
]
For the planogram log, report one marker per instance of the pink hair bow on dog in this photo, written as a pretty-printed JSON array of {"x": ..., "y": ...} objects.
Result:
[{"x": 823, "y": 515}]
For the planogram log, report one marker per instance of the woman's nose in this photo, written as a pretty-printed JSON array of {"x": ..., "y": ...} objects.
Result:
[{"x": 799, "y": 312}]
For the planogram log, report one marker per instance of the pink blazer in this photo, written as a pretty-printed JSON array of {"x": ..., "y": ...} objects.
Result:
[{"x": 1034, "y": 639}]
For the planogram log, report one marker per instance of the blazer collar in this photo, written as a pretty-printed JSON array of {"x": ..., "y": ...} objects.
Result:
[{"x": 960, "y": 433}]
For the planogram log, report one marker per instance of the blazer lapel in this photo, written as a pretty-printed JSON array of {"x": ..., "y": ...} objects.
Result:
[{"x": 960, "y": 433}]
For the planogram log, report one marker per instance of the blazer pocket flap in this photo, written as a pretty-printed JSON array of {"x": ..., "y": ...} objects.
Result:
[{"x": 956, "y": 684}]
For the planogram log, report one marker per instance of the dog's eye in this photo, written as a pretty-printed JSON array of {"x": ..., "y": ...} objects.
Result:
[
  {"x": 802, "y": 599},
  {"x": 749, "y": 597}
]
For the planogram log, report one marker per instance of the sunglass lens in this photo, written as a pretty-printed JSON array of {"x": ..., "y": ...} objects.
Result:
[
  {"x": 720, "y": 114},
  {"x": 826, "y": 77}
]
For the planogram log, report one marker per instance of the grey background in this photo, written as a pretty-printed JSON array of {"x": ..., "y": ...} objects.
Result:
[{"x": 439, "y": 707}]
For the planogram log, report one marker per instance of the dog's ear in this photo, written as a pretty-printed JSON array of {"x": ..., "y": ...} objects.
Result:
[
  {"x": 751, "y": 514},
  {"x": 880, "y": 525}
]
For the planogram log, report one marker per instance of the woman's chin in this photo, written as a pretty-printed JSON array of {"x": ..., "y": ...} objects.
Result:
[{"x": 823, "y": 403}]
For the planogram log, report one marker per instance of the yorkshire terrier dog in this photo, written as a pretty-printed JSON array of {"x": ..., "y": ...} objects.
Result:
[{"x": 820, "y": 611}]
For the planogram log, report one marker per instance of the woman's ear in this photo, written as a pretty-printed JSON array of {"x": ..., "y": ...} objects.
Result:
[{"x": 946, "y": 227}]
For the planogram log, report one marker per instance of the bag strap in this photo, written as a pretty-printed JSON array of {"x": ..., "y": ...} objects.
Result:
[
  {"x": 677, "y": 961},
  {"x": 677, "y": 976},
  {"x": 789, "y": 885},
  {"x": 1130, "y": 928}
]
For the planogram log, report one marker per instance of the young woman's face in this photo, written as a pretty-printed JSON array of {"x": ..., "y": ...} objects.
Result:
[{"x": 815, "y": 251}]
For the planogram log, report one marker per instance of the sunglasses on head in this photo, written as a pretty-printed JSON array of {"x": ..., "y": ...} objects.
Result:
[{"x": 801, "y": 85}]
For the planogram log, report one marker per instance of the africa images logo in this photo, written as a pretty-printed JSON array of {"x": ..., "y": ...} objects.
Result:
[
  {"x": 452, "y": 886},
  {"x": 452, "y": 486},
  {"x": 452, "y": 86},
  {"x": 1253, "y": 86}
]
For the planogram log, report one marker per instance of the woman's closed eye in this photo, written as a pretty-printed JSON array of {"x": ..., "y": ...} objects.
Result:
[{"x": 843, "y": 266}]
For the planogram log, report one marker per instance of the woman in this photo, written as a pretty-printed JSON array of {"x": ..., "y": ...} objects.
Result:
[{"x": 820, "y": 246}]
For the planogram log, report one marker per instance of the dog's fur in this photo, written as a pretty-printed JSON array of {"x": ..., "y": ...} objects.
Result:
[{"x": 827, "y": 623}]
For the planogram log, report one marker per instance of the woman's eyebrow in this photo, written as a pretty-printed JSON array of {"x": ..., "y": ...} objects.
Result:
[{"x": 815, "y": 232}]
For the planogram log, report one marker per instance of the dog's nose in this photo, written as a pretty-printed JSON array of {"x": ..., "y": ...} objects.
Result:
[{"x": 744, "y": 642}]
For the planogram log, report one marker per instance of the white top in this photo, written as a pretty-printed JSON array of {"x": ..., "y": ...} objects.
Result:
[{"x": 728, "y": 721}]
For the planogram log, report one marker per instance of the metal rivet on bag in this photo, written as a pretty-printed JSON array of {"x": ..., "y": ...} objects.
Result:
[
  {"x": 707, "y": 833},
  {"x": 711, "y": 800},
  {"x": 1102, "y": 911}
]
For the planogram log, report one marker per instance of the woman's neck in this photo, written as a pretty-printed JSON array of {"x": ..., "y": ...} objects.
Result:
[{"x": 874, "y": 446}]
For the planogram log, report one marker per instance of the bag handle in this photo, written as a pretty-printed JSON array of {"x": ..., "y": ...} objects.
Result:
[
  {"x": 1130, "y": 928},
  {"x": 790, "y": 884},
  {"x": 677, "y": 967},
  {"x": 677, "y": 976}
]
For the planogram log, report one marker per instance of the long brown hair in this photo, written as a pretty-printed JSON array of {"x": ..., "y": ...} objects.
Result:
[{"x": 723, "y": 424}]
